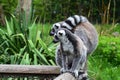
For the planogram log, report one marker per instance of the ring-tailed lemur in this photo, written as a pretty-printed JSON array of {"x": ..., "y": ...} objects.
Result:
[
  {"x": 83, "y": 29},
  {"x": 72, "y": 53},
  {"x": 80, "y": 26}
]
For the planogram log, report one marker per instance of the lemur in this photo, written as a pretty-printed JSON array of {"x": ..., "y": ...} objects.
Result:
[
  {"x": 72, "y": 53},
  {"x": 80, "y": 26}
]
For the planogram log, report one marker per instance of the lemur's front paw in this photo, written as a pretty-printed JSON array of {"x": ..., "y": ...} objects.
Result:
[
  {"x": 75, "y": 73},
  {"x": 62, "y": 70}
]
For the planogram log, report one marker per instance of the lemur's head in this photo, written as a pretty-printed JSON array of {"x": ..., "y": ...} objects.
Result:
[
  {"x": 63, "y": 35},
  {"x": 55, "y": 28},
  {"x": 60, "y": 35},
  {"x": 70, "y": 23}
]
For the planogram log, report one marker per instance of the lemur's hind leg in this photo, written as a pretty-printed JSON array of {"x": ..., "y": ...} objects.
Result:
[
  {"x": 64, "y": 63},
  {"x": 79, "y": 62},
  {"x": 62, "y": 60},
  {"x": 58, "y": 56}
]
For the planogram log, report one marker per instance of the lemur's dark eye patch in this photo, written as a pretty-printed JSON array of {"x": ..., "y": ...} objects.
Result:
[
  {"x": 56, "y": 26},
  {"x": 63, "y": 26},
  {"x": 53, "y": 30},
  {"x": 56, "y": 39}
]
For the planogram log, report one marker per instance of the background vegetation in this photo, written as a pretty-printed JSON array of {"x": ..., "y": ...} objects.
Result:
[
  {"x": 97, "y": 11},
  {"x": 28, "y": 42}
]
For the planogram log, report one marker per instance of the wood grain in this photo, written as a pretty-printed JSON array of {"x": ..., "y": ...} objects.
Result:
[{"x": 30, "y": 69}]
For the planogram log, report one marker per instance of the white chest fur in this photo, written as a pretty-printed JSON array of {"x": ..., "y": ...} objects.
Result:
[{"x": 68, "y": 47}]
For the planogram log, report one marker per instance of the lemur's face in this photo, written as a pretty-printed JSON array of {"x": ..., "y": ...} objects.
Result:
[
  {"x": 59, "y": 36},
  {"x": 55, "y": 28}
]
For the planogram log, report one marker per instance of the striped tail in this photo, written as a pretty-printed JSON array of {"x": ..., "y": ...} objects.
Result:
[{"x": 71, "y": 22}]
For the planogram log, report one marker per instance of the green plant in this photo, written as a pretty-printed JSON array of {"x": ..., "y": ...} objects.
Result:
[
  {"x": 9, "y": 6},
  {"x": 23, "y": 45},
  {"x": 99, "y": 69},
  {"x": 108, "y": 49}
]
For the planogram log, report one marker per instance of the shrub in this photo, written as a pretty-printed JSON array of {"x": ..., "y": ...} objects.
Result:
[
  {"x": 108, "y": 49},
  {"x": 20, "y": 44},
  {"x": 99, "y": 69}
]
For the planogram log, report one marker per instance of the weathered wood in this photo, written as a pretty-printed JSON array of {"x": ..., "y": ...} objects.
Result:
[
  {"x": 42, "y": 72},
  {"x": 29, "y": 69},
  {"x": 65, "y": 76}
]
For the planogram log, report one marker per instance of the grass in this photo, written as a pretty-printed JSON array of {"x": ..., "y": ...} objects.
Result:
[
  {"x": 107, "y": 29},
  {"x": 99, "y": 69}
]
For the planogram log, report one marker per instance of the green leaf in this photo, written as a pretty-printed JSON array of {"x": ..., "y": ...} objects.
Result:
[
  {"x": 52, "y": 62},
  {"x": 35, "y": 59},
  {"x": 9, "y": 28},
  {"x": 34, "y": 50}
]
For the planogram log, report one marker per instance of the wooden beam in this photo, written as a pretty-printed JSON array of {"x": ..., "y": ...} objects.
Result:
[{"x": 29, "y": 69}]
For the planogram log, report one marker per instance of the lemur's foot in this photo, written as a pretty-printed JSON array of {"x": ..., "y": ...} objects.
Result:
[
  {"x": 75, "y": 73},
  {"x": 62, "y": 70},
  {"x": 83, "y": 76}
]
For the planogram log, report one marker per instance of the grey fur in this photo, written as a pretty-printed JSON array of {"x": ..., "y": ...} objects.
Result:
[
  {"x": 84, "y": 30},
  {"x": 71, "y": 58}
]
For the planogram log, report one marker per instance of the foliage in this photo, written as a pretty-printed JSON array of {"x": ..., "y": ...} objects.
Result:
[
  {"x": 108, "y": 29},
  {"x": 101, "y": 11},
  {"x": 31, "y": 44},
  {"x": 116, "y": 28},
  {"x": 9, "y": 6},
  {"x": 96, "y": 10},
  {"x": 99, "y": 69},
  {"x": 108, "y": 49},
  {"x": 36, "y": 48},
  {"x": 23, "y": 45}
]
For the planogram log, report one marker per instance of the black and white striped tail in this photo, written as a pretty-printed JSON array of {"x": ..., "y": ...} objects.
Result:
[{"x": 73, "y": 21}]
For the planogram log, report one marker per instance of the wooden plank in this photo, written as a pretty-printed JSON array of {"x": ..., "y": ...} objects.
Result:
[{"x": 29, "y": 69}]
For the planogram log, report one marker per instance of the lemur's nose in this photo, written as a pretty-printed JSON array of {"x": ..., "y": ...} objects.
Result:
[{"x": 60, "y": 33}]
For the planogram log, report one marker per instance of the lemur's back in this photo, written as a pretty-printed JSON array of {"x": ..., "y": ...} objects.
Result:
[{"x": 88, "y": 34}]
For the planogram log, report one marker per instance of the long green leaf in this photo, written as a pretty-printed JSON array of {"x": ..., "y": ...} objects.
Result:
[
  {"x": 44, "y": 46},
  {"x": 35, "y": 59},
  {"x": 10, "y": 42},
  {"x": 20, "y": 35},
  {"x": 9, "y": 29},
  {"x": 37, "y": 52}
]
